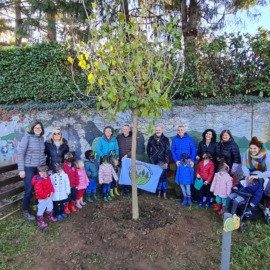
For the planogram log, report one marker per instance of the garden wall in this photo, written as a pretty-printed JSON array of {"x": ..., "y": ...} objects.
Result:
[{"x": 82, "y": 127}]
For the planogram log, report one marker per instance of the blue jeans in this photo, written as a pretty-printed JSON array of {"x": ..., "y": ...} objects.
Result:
[
  {"x": 92, "y": 187},
  {"x": 106, "y": 188},
  {"x": 163, "y": 182},
  {"x": 28, "y": 188},
  {"x": 186, "y": 190}
]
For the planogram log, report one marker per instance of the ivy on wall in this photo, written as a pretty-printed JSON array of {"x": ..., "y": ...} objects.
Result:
[{"x": 37, "y": 73}]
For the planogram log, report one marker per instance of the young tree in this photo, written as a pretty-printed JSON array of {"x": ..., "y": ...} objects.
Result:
[{"x": 130, "y": 70}]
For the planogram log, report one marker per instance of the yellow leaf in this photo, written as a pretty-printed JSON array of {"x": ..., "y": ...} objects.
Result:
[
  {"x": 94, "y": 5},
  {"x": 91, "y": 78},
  {"x": 86, "y": 55},
  {"x": 113, "y": 62},
  {"x": 100, "y": 81},
  {"x": 79, "y": 48},
  {"x": 82, "y": 64},
  {"x": 80, "y": 57},
  {"x": 96, "y": 64},
  {"x": 70, "y": 60}
]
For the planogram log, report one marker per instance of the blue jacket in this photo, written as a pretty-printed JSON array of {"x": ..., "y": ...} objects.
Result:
[
  {"x": 183, "y": 145},
  {"x": 91, "y": 168},
  {"x": 184, "y": 174},
  {"x": 104, "y": 147},
  {"x": 255, "y": 189}
]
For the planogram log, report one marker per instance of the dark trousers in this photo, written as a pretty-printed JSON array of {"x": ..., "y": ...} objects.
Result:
[
  {"x": 73, "y": 194},
  {"x": 28, "y": 188},
  {"x": 205, "y": 190},
  {"x": 58, "y": 207}
]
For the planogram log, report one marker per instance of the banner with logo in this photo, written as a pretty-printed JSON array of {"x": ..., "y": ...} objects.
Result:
[{"x": 147, "y": 175}]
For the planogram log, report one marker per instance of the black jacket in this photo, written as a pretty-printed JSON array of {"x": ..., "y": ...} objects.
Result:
[
  {"x": 158, "y": 150},
  {"x": 230, "y": 152},
  {"x": 212, "y": 148},
  {"x": 52, "y": 155}
]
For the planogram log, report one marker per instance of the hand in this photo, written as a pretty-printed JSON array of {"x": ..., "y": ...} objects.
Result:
[
  {"x": 191, "y": 164},
  {"x": 252, "y": 205},
  {"x": 125, "y": 156},
  {"x": 177, "y": 163},
  {"x": 165, "y": 166},
  {"x": 198, "y": 176},
  {"x": 235, "y": 188},
  {"x": 205, "y": 183},
  {"x": 22, "y": 174},
  {"x": 197, "y": 157}
]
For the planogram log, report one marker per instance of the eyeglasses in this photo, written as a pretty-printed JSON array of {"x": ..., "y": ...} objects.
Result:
[
  {"x": 37, "y": 128},
  {"x": 56, "y": 133}
]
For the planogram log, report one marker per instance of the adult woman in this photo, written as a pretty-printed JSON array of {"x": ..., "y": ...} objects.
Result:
[
  {"x": 30, "y": 156},
  {"x": 208, "y": 145},
  {"x": 229, "y": 150},
  {"x": 108, "y": 145},
  {"x": 55, "y": 148},
  {"x": 256, "y": 164}
]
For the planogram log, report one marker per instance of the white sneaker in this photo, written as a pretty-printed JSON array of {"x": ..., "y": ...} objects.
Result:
[{"x": 266, "y": 212}]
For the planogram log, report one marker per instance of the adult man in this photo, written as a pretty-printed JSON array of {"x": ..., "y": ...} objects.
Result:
[
  {"x": 158, "y": 151},
  {"x": 125, "y": 142},
  {"x": 183, "y": 144}
]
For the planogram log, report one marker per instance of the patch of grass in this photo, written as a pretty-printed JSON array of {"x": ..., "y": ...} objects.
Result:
[
  {"x": 16, "y": 240},
  {"x": 152, "y": 256},
  {"x": 95, "y": 260}
]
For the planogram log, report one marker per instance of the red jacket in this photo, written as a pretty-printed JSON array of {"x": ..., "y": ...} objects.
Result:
[
  {"x": 43, "y": 187},
  {"x": 206, "y": 172},
  {"x": 72, "y": 174}
]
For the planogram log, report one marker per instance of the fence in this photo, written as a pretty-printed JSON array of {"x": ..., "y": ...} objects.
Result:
[{"x": 11, "y": 187}]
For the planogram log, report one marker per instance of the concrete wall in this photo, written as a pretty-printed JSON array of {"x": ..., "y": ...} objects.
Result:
[{"x": 83, "y": 128}]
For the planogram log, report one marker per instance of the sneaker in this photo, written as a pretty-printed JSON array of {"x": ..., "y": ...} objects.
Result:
[
  {"x": 28, "y": 216},
  {"x": 59, "y": 217},
  {"x": 96, "y": 198},
  {"x": 109, "y": 198},
  {"x": 105, "y": 199},
  {"x": 82, "y": 203},
  {"x": 64, "y": 215},
  {"x": 78, "y": 205}
]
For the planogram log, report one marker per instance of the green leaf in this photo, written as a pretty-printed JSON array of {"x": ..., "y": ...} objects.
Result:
[{"x": 121, "y": 17}]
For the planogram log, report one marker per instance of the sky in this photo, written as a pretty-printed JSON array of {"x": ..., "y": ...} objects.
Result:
[{"x": 250, "y": 25}]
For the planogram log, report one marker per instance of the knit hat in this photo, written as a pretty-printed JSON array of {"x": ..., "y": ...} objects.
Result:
[{"x": 255, "y": 141}]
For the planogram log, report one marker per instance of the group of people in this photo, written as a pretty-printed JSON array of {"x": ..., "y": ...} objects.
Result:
[
  {"x": 217, "y": 164},
  {"x": 60, "y": 182}
]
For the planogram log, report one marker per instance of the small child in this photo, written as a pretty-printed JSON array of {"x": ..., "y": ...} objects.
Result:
[
  {"x": 206, "y": 170},
  {"x": 105, "y": 175},
  {"x": 71, "y": 170},
  {"x": 43, "y": 190},
  {"x": 163, "y": 180},
  {"x": 91, "y": 168},
  {"x": 185, "y": 177},
  {"x": 83, "y": 183},
  {"x": 221, "y": 187},
  {"x": 61, "y": 186},
  {"x": 114, "y": 160},
  {"x": 249, "y": 185}
]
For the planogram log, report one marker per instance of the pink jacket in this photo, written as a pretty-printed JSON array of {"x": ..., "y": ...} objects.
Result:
[
  {"x": 222, "y": 185},
  {"x": 83, "y": 179},
  {"x": 105, "y": 173}
]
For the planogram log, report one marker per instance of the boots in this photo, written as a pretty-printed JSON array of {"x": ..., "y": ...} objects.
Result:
[
  {"x": 221, "y": 211},
  {"x": 109, "y": 198},
  {"x": 208, "y": 202},
  {"x": 189, "y": 201},
  {"x": 116, "y": 192},
  {"x": 185, "y": 201},
  {"x": 66, "y": 210},
  {"x": 95, "y": 197},
  {"x": 111, "y": 193},
  {"x": 218, "y": 207},
  {"x": 50, "y": 216},
  {"x": 165, "y": 195},
  {"x": 72, "y": 207},
  {"x": 41, "y": 224},
  {"x": 88, "y": 198},
  {"x": 201, "y": 201},
  {"x": 28, "y": 216}
]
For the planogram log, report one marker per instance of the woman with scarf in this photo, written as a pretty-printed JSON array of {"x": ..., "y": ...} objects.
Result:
[{"x": 256, "y": 165}]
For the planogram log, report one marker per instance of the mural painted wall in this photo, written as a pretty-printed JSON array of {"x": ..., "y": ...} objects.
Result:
[{"x": 83, "y": 128}]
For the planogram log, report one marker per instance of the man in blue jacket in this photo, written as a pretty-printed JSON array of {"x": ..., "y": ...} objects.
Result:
[{"x": 183, "y": 143}]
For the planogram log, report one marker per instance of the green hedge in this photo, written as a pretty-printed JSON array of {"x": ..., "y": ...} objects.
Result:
[{"x": 38, "y": 73}]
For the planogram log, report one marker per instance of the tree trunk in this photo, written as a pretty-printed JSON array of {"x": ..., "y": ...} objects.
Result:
[
  {"x": 135, "y": 205},
  {"x": 18, "y": 23},
  {"x": 51, "y": 25}
]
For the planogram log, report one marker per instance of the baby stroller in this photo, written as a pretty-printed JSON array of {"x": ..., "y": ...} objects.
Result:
[{"x": 246, "y": 212}]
